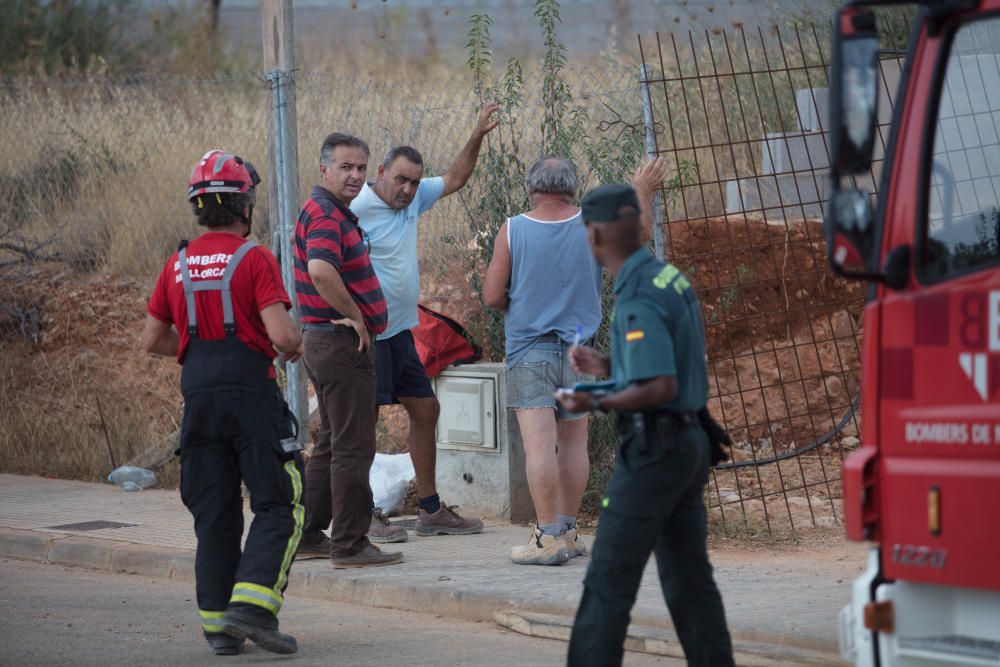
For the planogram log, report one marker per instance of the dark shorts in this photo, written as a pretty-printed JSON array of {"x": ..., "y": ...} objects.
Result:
[{"x": 398, "y": 370}]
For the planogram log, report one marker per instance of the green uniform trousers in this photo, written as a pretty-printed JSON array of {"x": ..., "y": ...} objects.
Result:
[{"x": 653, "y": 504}]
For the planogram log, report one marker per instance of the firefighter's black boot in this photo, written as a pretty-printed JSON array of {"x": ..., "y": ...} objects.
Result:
[
  {"x": 224, "y": 644},
  {"x": 259, "y": 626}
]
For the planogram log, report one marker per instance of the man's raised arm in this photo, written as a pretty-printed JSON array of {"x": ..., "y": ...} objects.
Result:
[
  {"x": 647, "y": 181},
  {"x": 461, "y": 169}
]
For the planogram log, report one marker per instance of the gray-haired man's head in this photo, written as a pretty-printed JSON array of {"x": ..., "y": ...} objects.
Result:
[
  {"x": 343, "y": 165},
  {"x": 552, "y": 176}
]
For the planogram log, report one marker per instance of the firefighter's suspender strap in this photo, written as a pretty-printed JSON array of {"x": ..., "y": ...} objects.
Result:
[
  {"x": 190, "y": 287},
  {"x": 227, "y": 301},
  {"x": 188, "y": 291}
]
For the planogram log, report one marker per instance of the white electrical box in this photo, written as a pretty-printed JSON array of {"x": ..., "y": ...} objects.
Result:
[
  {"x": 468, "y": 412},
  {"x": 480, "y": 458}
]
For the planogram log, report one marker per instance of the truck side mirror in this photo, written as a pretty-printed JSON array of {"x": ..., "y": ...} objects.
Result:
[
  {"x": 854, "y": 91},
  {"x": 849, "y": 225},
  {"x": 850, "y": 232}
]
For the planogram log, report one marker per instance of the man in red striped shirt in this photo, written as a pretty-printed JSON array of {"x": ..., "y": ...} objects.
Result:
[{"x": 342, "y": 309}]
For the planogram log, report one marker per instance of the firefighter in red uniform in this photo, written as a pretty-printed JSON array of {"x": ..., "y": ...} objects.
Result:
[{"x": 219, "y": 306}]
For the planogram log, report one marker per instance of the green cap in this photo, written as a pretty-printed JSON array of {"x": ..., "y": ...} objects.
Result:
[{"x": 602, "y": 203}]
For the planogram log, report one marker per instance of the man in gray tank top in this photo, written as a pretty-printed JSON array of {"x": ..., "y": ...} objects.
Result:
[{"x": 545, "y": 278}]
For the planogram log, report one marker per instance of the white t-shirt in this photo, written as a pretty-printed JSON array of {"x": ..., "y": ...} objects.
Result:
[{"x": 393, "y": 238}]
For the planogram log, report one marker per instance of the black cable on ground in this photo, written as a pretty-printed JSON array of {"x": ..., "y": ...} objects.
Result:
[{"x": 818, "y": 442}]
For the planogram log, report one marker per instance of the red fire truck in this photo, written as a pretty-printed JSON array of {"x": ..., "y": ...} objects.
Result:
[{"x": 924, "y": 486}]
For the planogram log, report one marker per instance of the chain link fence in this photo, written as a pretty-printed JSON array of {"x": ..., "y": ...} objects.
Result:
[{"x": 93, "y": 179}]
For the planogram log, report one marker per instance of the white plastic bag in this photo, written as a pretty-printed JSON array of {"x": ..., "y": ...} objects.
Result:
[
  {"x": 390, "y": 478},
  {"x": 130, "y": 478}
]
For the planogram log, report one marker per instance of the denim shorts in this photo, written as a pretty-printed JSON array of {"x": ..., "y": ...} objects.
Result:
[{"x": 533, "y": 380}]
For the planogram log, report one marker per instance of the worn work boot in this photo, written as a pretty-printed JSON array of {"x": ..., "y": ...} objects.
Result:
[
  {"x": 223, "y": 644},
  {"x": 574, "y": 543},
  {"x": 259, "y": 626},
  {"x": 314, "y": 548},
  {"x": 382, "y": 532},
  {"x": 370, "y": 556},
  {"x": 446, "y": 522},
  {"x": 541, "y": 549}
]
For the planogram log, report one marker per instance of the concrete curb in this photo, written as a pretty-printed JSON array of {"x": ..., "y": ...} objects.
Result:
[
  {"x": 660, "y": 642},
  {"x": 551, "y": 621},
  {"x": 97, "y": 554}
]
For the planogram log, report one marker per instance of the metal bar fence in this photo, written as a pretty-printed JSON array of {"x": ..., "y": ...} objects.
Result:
[{"x": 744, "y": 124}]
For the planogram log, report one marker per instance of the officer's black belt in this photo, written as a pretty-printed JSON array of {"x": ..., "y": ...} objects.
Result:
[
  {"x": 679, "y": 420},
  {"x": 664, "y": 422}
]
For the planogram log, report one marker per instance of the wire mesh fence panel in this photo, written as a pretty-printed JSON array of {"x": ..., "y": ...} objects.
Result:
[
  {"x": 94, "y": 172},
  {"x": 742, "y": 117}
]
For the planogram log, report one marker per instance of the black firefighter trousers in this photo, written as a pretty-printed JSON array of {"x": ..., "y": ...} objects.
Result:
[{"x": 228, "y": 435}]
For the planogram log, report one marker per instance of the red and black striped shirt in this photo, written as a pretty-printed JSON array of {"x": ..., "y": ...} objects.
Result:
[{"x": 329, "y": 231}]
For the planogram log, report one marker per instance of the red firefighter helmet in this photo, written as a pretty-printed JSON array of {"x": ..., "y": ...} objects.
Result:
[{"x": 219, "y": 171}]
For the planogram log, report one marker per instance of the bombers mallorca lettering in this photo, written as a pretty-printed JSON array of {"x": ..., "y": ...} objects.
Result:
[
  {"x": 945, "y": 433},
  {"x": 214, "y": 266}
]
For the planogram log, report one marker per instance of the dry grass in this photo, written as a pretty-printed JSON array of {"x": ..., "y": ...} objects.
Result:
[
  {"x": 130, "y": 148},
  {"x": 84, "y": 361}
]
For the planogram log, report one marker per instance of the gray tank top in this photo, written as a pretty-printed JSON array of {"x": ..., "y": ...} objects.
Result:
[{"x": 555, "y": 284}]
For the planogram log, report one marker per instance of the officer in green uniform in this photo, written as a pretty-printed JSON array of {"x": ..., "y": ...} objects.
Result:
[{"x": 653, "y": 502}]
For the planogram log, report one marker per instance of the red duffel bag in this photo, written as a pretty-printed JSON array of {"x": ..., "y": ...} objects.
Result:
[{"x": 441, "y": 341}]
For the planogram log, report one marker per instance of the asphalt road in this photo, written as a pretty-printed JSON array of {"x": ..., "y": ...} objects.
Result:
[{"x": 51, "y": 615}]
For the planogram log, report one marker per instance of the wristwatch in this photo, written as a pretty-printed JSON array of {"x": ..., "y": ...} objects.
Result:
[{"x": 596, "y": 407}]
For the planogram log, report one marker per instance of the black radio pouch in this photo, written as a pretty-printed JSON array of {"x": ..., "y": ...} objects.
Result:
[{"x": 717, "y": 437}]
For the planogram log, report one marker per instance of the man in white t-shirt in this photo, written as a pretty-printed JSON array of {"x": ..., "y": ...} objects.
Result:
[{"x": 388, "y": 211}]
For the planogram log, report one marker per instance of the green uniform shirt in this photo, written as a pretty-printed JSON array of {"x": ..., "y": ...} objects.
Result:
[{"x": 656, "y": 330}]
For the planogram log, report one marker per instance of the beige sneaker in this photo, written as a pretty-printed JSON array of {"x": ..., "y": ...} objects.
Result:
[
  {"x": 381, "y": 531},
  {"x": 574, "y": 543},
  {"x": 541, "y": 549}
]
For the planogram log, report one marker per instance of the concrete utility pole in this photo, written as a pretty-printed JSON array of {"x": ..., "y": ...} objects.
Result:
[{"x": 283, "y": 185}]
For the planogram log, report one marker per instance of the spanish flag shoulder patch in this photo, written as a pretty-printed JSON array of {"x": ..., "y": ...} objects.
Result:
[{"x": 634, "y": 335}]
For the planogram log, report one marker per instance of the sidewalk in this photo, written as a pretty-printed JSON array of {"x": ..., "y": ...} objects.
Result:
[{"x": 782, "y": 605}]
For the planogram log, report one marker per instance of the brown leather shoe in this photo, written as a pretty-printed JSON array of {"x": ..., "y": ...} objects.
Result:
[
  {"x": 314, "y": 548},
  {"x": 370, "y": 556},
  {"x": 381, "y": 531},
  {"x": 446, "y": 522}
]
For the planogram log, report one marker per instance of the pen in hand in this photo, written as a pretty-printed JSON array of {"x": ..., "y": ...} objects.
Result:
[{"x": 576, "y": 337}]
